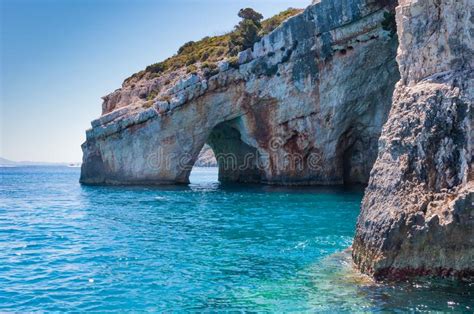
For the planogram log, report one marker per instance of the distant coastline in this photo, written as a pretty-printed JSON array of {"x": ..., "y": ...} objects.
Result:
[{"x": 11, "y": 163}]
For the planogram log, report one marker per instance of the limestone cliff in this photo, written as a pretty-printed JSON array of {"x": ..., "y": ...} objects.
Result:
[
  {"x": 306, "y": 105},
  {"x": 417, "y": 214}
]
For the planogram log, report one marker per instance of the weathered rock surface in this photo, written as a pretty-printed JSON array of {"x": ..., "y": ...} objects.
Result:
[
  {"x": 305, "y": 106},
  {"x": 206, "y": 158},
  {"x": 417, "y": 215}
]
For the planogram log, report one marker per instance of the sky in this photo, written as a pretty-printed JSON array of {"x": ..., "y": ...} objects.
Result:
[{"x": 59, "y": 57}]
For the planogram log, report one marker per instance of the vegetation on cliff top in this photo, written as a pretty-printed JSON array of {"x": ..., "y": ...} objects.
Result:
[
  {"x": 247, "y": 32},
  {"x": 209, "y": 50}
]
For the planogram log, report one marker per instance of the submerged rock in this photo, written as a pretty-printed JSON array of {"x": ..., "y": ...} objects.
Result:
[
  {"x": 417, "y": 215},
  {"x": 306, "y": 105}
]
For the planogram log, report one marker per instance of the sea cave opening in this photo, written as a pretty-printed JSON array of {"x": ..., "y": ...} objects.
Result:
[
  {"x": 235, "y": 160},
  {"x": 357, "y": 152}
]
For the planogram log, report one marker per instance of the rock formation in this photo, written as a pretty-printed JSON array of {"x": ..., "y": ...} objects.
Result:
[
  {"x": 306, "y": 105},
  {"x": 417, "y": 215},
  {"x": 206, "y": 158}
]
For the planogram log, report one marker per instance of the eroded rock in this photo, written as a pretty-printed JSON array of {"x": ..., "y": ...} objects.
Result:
[
  {"x": 417, "y": 215},
  {"x": 206, "y": 157}
]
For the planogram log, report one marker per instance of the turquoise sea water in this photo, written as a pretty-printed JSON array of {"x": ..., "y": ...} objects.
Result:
[{"x": 202, "y": 247}]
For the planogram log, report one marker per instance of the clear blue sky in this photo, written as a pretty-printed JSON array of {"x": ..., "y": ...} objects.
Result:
[{"x": 58, "y": 57}]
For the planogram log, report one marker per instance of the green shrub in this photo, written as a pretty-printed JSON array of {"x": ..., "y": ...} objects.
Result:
[
  {"x": 246, "y": 33},
  {"x": 209, "y": 65},
  {"x": 156, "y": 68},
  {"x": 152, "y": 95},
  {"x": 191, "y": 60},
  {"x": 191, "y": 69},
  {"x": 233, "y": 62},
  {"x": 148, "y": 104},
  {"x": 270, "y": 24},
  {"x": 205, "y": 55},
  {"x": 219, "y": 52},
  {"x": 209, "y": 69},
  {"x": 189, "y": 44},
  {"x": 166, "y": 98},
  {"x": 250, "y": 14}
]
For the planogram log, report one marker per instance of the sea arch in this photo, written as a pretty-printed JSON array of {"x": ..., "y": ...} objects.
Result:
[{"x": 309, "y": 99}]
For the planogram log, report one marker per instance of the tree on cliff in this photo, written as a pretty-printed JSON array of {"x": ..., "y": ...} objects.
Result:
[
  {"x": 246, "y": 32},
  {"x": 250, "y": 14}
]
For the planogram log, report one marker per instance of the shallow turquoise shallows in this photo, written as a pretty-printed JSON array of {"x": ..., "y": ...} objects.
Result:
[{"x": 67, "y": 247}]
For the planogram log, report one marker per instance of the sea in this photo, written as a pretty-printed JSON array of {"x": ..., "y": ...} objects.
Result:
[{"x": 204, "y": 247}]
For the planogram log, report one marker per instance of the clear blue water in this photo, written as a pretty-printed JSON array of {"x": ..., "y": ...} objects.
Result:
[{"x": 67, "y": 247}]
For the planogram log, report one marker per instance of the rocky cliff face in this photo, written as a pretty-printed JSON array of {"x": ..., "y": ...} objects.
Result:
[
  {"x": 417, "y": 214},
  {"x": 306, "y": 105}
]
